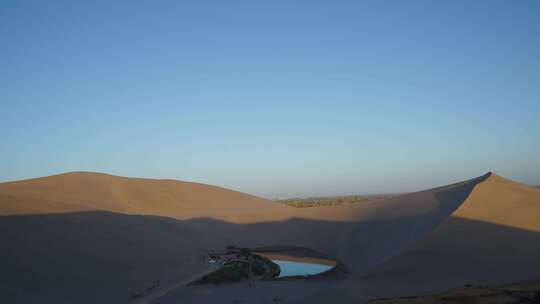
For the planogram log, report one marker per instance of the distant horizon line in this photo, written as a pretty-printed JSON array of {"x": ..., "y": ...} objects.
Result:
[{"x": 275, "y": 198}]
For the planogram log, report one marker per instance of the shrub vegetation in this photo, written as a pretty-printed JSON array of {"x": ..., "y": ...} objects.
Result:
[
  {"x": 331, "y": 201},
  {"x": 232, "y": 272}
]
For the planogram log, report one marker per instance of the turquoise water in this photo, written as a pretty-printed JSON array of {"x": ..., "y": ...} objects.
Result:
[{"x": 289, "y": 268}]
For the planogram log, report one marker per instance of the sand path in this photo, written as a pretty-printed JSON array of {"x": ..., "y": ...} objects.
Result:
[{"x": 163, "y": 291}]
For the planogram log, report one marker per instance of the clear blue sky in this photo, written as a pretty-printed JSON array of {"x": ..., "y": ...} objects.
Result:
[{"x": 275, "y": 98}]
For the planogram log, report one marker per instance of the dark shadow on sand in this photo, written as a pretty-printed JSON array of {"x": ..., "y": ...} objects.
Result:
[{"x": 101, "y": 257}]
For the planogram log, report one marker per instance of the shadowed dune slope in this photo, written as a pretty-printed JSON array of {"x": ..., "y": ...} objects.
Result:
[
  {"x": 92, "y": 257},
  {"x": 492, "y": 238},
  {"x": 106, "y": 236}
]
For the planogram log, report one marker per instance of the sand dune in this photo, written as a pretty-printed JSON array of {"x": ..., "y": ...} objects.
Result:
[
  {"x": 491, "y": 238},
  {"x": 504, "y": 202},
  {"x": 107, "y": 236},
  {"x": 86, "y": 191}
]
